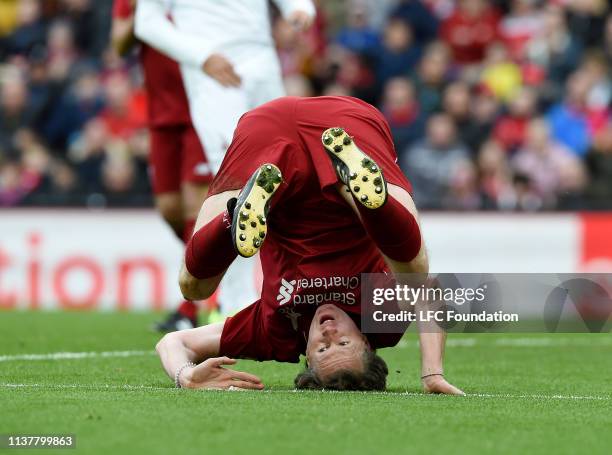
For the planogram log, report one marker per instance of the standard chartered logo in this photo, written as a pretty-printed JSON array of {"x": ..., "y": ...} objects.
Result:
[
  {"x": 317, "y": 290},
  {"x": 285, "y": 291}
]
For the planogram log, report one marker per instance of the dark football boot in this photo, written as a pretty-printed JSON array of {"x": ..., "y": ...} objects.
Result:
[{"x": 175, "y": 322}]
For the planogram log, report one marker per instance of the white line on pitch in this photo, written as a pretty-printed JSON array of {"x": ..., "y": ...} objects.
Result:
[
  {"x": 552, "y": 341},
  {"x": 540, "y": 397},
  {"x": 518, "y": 342},
  {"x": 451, "y": 342},
  {"x": 410, "y": 394},
  {"x": 73, "y": 355},
  {"x": 83, "y": 386}
]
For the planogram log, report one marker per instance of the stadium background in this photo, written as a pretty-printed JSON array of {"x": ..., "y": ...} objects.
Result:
[{"x": 496, "y": 107}]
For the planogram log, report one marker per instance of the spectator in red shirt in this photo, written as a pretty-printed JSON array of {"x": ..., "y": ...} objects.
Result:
[
  {"x": 469, "y": 30},
  {"x": 124, "y": 113},
  {"x": 511, "y": 128},
  {"x": 403, "y": 112}
]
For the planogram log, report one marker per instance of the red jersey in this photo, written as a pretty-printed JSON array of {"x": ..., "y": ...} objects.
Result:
[
  {"x": 469, "y": 37},
  {"x": 316, "y": 248},
  {"x": 167, "y": 100},
  {"x": 510, "y": 132}
]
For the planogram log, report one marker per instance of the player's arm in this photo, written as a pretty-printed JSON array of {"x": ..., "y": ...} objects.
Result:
[
  {"x": 155, "y": 28},
  {"x": 122, "y": 35},
  {"x": 432, "y": 339},
  {"x": 201, "y": 346},
  {"x": 299, "y": 13}
]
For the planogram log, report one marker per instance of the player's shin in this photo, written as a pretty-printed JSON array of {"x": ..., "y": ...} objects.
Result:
[
  {"x": 394, "y": 229},
  {"x": 210, "y": 250}
]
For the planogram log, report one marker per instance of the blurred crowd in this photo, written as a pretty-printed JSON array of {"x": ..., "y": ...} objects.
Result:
[{"x": 493, "y": 105}]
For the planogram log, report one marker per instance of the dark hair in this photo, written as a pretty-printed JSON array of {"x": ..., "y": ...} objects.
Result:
[{"x": 374, "y": 376}]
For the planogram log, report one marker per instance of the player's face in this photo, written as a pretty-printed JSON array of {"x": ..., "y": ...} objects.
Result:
[{"x": 334, "y": 342}]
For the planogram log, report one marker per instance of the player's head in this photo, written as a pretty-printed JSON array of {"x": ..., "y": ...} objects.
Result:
[{"x": 338, "y": 355}]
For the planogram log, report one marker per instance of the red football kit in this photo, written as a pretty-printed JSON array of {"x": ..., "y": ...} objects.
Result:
[
  {"x": 316, "y": 246},
  {"x": 468, "y": 36},
  {"x": 176, "y": 151}
]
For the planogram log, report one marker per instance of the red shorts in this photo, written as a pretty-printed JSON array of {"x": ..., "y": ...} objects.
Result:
[
  {"x": 177, "y": 156},
  {"x": 287, "y": 132}
]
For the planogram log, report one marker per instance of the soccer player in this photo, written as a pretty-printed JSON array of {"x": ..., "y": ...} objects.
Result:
[
  {"x": 179, "y": 170},
  {"x": 322, "y": 205},
  {"x": 227, "y": 56}
]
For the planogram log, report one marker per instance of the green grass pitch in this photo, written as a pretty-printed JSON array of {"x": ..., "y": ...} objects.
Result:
[{"x": 526, "y": 394}]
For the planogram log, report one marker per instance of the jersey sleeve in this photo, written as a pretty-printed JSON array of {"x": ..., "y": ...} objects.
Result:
[
  {"x": 122, "y": 9},
  {"x": 242, "y": 336},
  {"x": 245, "y": 337},
  {"x": 153, "y": 26}
]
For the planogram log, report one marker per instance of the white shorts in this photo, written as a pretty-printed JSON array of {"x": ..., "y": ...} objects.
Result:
[{"x": 215, "y": 110}]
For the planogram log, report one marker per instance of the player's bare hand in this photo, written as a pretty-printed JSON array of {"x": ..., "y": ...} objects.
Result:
[
  {"x": 210, "y": 374},
  {"x": 437, "y": 384},
  {"x": 221, "y": 69},
  {"x": 300, "y": 20}
]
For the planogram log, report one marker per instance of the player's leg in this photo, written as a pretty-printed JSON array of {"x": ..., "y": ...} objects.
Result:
[
  {"x": 169, "y": 206},
  {"x": 192, "y": 198},
  {"x": 410, "y": 260},
  {"x": 409, "y": 256},
  {"x": 386, "y": 211},
  {"x": 166, "y": 176},
  {"x": 229, "y": 223},
  {"x": 209, "y": 251},
  {"x": 196, "y": 177},
  {"x": 215, "y": 111}
]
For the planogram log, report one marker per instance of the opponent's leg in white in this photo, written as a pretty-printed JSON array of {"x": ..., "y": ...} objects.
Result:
[{"x": 215, "y": 111}]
